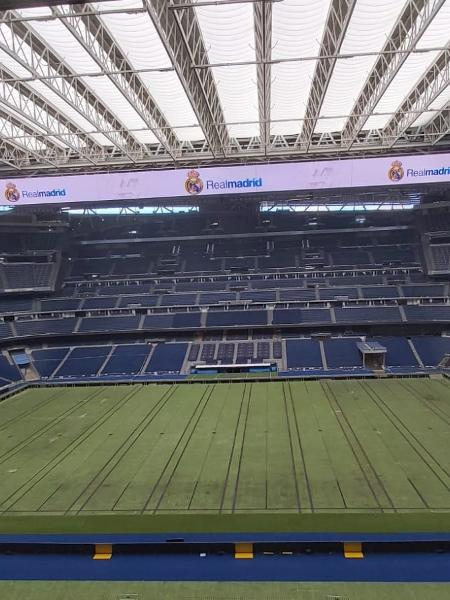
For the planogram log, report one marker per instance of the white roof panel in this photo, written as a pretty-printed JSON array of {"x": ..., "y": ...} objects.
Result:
[
  {"x": 297, "y": 30},
  {"x": 437, "y": 35},
  {"x": 228, "y": 32},
  {"x": 228, "y": 37},
  {"x": 367, "y": 31}
]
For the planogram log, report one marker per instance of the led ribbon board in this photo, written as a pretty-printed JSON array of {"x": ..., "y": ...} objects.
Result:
[{"x": 211, "y": 181}]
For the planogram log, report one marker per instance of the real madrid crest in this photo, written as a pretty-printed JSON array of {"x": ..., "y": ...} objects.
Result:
[
  {"x": 12, "y": 194},
  {"x": 396, "y": 171},
  {"x": 193, "y": 183}
]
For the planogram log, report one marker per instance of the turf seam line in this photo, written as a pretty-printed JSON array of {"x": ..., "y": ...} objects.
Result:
[
  {"x": 159, "y": 406},
  {"x": 62, "y": 455},
  {"x": 288, "y": 427},
  {"x": 395, "y": 421},
  {"x": 241, "y": 450},
  {"x": 341, "y": 418},
  {"x": 90, "y": 397},
  {"x": 113, "y": 457},
  {"x": 163, "y": 471},
  {"x": 208, "y": 450},
  {"x": 230, "y": 460},
  {"x": 26, "y": 413},
  {"x": 300, "y": 444},
  {"x": 200, "y": 410}
]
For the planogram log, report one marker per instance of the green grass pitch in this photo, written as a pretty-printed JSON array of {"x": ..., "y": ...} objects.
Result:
[
  {"x": 127, "y": 590},
  {"x": 372, "y": 447}
]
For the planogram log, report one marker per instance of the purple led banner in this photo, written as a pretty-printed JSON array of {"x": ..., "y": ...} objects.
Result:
[{"x": 147, "y": 185}]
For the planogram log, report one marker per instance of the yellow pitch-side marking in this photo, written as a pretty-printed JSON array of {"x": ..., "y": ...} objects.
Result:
[
  {"x": 243, "y": 551},
  {"x": 102, "y": 552},
  {"x": 353, "y": 550}
]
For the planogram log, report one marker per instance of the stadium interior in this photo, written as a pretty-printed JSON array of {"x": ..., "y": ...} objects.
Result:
[
  {"x": 142, "y": 296},
  {"x": 225, "y": 299}
]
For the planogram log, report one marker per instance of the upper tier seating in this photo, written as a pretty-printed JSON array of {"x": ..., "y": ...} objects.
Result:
[
  {"x": 60, "y": 305},
  {"x": 16, "y": 305},
  {"x": 434, "y": 312},
  {"x": 144, "y": 300},
  {"x": 424, "y": 291},
  {"x": 364, "y": 314},
  {"x": 235, "y": 317},
  {"x": 119, "y": 323},
  {"x": 5, "y": 330},
  {"x": 298, "y": 316},
  {"x": 440, "y": 256},
  {"x": 25, "y": 276},
  {"x": 46, "y": 326},
  {"x": 380, "y": 291}
]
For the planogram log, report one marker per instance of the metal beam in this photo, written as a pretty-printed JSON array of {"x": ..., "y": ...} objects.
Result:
[
  {"x": 438, "y": 127},
  {"x": 262, "y": 13},
  {"x": 182, "y": 38},
  {"x": 411, "y": 25},
  {"x": 336, "y": 25},
  {"x": 18, "y": 4},
  {"x": 95, "y": 38},
  {"x": 14, "y": 157},
  {"x": 25, "y": 101},
  {"x": 25, "y": 46},
  {"x": 42, "y": 149},
  {"x": 433, "y": 82}
]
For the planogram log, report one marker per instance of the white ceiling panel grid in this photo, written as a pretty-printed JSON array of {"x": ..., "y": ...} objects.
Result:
[{"x": 228, "y": 36}]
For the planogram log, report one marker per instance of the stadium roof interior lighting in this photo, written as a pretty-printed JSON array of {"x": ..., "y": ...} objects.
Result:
[
  {"x": 156, "y": 83},
  {"x": 347, "y": 207}
]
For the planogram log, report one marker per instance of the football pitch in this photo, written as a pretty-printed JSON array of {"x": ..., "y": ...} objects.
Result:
[{"x": 250, "y": 448}]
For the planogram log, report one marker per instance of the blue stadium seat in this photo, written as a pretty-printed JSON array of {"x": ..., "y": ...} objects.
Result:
[
  {"x": 262, "y": 350},
  {"x": 342, "y": 352},
  {"x": 380, "y": 291},
  {"x": 431, "y": 349},
  {"x": 99, "y": 302},
  {"x": 5, "y": 330},
  {"x": 167, "y": 358},
  {"x": 364, "y": 314},
  {"x": 178, "y": 299},
  {"x": 142, "y": 300},
  {"x": 15, "y": 305},
  {"x": 259, "y": 295},
  {"x": 236, "y": 318},
  {"x": 216, "y": 297},
  {"x": 296, "y": 316},
  {"x": 119, "y": 323},
  {"x": 424, "y": 291},
  {"x": 303, "y": 354},
  {"x": 158, "y": 321},
  {"x": 127, "y": 360},
  {"x": 399, "y": 352},
  {"x": 331, "y": 293},
  {"x": 424, "y": 313},
  {"x": 8, "y": 371},
  {"x": 47, "y": 360},
  {"x": 60, "y": 305},
  {"x": 297, "y": 294},
  {"x": 187, "y": 320},
  {"x": 46, "y": 326}
]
